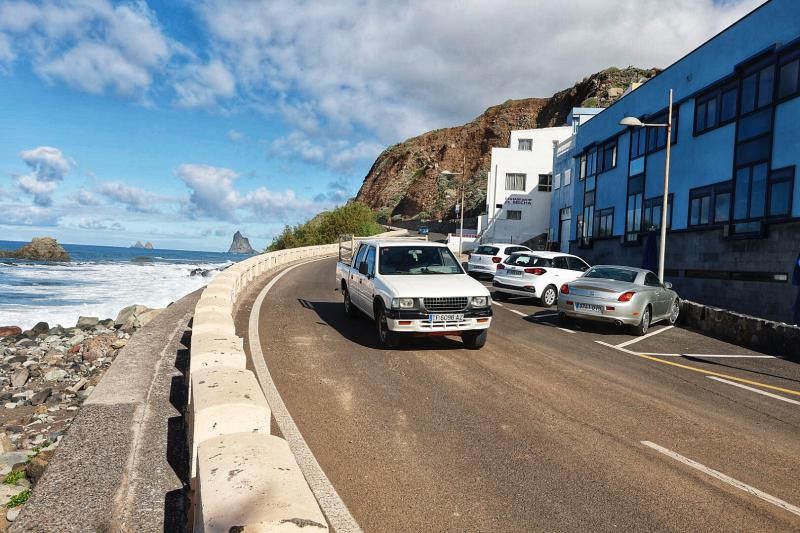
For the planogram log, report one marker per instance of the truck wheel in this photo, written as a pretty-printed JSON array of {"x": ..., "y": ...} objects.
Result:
[
  {"x": 349, "y": 309},
  {"x": 386, "y": 337},
  {"x": 474, "y": 340}
]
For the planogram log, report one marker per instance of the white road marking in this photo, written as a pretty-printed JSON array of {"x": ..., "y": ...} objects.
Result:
[
  {"x": 643, "y": 337},
  {"x": 751, "y": 389},
  {"x": 616, "y": 347},
  {"x": 520, "y": 313},
  {"x": 544, "y": 315},
  {"x": 722, "y": 477},
  {"x": 329, "y": 500},
  {"x": 711, "y": 355}
]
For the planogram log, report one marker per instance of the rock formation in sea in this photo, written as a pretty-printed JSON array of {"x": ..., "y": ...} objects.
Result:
[
  {"x": 39, "y": 249},
  {"x": 240, "y": 245},
  {"x": 148, "y": 245}
]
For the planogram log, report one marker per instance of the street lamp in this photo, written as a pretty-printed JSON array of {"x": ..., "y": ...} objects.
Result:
[
  {"x": 636, "y": 123},
  {"x": 461, "y": 205}
]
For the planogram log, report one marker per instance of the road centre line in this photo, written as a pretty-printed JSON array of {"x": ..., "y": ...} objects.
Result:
[
  {"x": 725, "y": 478},
  {"x": 643, "y": 337},
  {"x": 711, "y": 355},
  {"x": 700, "y": 370},
  {"x": 751, "y": 389},
  {"x": 329, "y": 500}
]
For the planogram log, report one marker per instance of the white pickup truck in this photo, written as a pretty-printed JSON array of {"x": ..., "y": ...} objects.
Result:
[{"x": 413, "y": 287}]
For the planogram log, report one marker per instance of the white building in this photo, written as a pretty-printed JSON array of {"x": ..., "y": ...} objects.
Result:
[{"x": 519, "y": 186}]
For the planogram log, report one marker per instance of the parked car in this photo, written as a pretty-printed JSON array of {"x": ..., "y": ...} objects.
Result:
[
  {"x": 485, "y": 258},
  {"x": 536, "y": 275},
  {"x": 619, "y": 295},
  {"x": 423, "y": 230},
  {"x": 414, "y": 287}
]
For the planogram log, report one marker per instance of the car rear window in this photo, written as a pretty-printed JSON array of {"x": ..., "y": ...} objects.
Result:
[
  {"x": 486, "y": 250},
  {"x": 616, "y": 274},
  {"x": 528, "y": 260}
]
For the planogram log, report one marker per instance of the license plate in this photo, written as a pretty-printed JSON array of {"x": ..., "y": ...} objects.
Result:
[
  {"x": 450, "y": 317},
  {"x": 589, "y": 308},
  {"x": 514, "y": 272}
]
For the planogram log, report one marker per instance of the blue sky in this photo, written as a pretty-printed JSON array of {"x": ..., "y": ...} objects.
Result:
[{"x": 180, "y": 121}]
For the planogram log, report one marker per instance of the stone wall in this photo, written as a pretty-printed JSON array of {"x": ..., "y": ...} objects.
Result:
[{"x": 710, "y": 251}]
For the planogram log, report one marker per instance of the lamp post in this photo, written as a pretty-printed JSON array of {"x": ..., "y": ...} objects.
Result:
[
  {"x": 635, "y": 122},
  {"x": 461, "y": 205}
]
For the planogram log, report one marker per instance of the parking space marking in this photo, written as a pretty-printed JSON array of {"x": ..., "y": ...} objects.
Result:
[
  {"x": 700, "y": 370},
  {"x": 711, "y": 355},
  {"x": 643, "y": 337},
  {"x": 520, "y": 313},
  {"x": 725, "y": 478},
  {"x": 751, "y": 389}
]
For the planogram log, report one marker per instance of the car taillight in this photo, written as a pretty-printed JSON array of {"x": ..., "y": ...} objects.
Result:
[
  {"x": 496, "y": 259},
  {"x": 501, "y": 266},
  {"x": 626, "y": 296},
  {"x": 565, "y": 289},
  {"x": 535, "y": 271}
]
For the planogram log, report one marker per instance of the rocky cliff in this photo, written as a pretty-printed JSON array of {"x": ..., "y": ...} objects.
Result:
[
  {"x": 39, "y": 249},
  {"x": 406, "y": 178},
  {"x": 240, "y": 245}
]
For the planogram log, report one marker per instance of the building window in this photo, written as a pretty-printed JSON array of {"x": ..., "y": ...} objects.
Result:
[
  {"x": 638, "y": 142},
  {"x": 710, "y": 205},
  {"x": 633, "y": 218},
  {"x": 750, "y": 192},
  {"x": 604, "y": 222},
  {"x": 781, "y": 185},
  {"x": 607, "y": 156},
  {"x": 567, "y": 177},
  {"x": 789, "y": 78},
  {"x": 515, "y": 182},
  {"x": 582, "y": 174},
  {"x": 757, "y": 89},
  {"x": 525, "y": 145},
  {"x": 513, "y": 215},
  {"x": 652, "y": 213},
  {"x": 657, "y": 137},
  {"x": 557, "y": 181},
  {"x": 589, "y": 191},
  {"x": 715, "y": 108},
  {"x": 545, "y": 183}
]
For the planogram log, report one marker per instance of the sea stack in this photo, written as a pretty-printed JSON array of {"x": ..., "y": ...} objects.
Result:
[
  {"x": 40, "y": 249},
  {"x": 240, "y": 245}
]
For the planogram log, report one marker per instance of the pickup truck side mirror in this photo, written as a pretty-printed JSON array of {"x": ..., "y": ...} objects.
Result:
[{"x": 363, "y": 268}]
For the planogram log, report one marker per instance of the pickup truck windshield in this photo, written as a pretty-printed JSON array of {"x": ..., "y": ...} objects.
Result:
[{"x": 417, "y": 260}]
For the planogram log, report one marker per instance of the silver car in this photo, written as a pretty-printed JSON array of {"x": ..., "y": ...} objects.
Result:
[{"x": 619, "y": 295}]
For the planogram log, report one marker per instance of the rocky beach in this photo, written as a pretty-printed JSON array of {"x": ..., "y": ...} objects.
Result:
[{"x": 46, "y": 373}]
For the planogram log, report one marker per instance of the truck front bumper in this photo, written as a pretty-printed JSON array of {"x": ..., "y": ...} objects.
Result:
[{"x": 420, "y": 322}]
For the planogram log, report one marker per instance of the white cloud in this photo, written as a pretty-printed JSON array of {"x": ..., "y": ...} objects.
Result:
[
  {"x": 133, "y": 198},
  {"x": 99, "y": 225},
  {"x": 86, "y": 198},
  {"x": 213, "y": 194},
  {"x": 92, "y": 46},
  {"x": 28, "y": 215},
  {"x": 48, "y": 166},
  {"x": 397, "y": 69},
  {"x": 235, "y": 135},
  {"x": 204, "y": 85}
]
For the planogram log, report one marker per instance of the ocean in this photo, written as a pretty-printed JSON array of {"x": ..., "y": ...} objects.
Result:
[{"x": 99, "y": 281}]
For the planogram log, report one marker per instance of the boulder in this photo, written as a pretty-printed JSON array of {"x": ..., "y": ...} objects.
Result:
[
  {"x": 10, "y": 331},
  {"x": 41, "y": 396},
  {"x": 128, "y": 315},
  {"x": 20, "y": 377},
  {"x": 108, "y": 323},
  {"x": 40, "y": 249},
  {"x": 148, "y": 315},
  {"x": 57, "y": 330},
  {"x": 38, "y": 464},
  {"x": 96, "y": 347},
  {"x": 5, "y": 444},
  {"x": 87, "y": 322},
  {"x": 55, "y": 374}
]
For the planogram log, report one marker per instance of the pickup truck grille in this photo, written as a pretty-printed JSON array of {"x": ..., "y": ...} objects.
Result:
[{"x": 445, "y": 305}]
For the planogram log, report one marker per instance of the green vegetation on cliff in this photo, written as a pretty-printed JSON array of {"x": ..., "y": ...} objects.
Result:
[{"x": 354, "y": 218}]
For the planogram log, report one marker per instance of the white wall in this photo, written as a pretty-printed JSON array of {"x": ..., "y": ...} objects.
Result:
[{"x": 534, "y": 204}]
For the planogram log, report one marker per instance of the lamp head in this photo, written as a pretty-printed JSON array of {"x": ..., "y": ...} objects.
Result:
[{"x": 631, "y": 121}]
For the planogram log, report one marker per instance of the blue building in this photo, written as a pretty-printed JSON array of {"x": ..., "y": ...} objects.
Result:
[{"x": 734, "y": 198}]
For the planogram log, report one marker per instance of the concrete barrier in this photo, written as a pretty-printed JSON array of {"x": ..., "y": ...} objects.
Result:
[{"x": 243, "y": 478}]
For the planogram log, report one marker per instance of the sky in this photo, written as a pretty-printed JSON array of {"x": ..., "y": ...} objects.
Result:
[{"x": 182, "y": 121}]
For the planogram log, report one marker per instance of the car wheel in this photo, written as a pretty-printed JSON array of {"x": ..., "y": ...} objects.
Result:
[
  {"x": 674, "y": 312},
  {"x": 386, "y": 337},
  {"x": 549, "y": 296},
  {"x": 349, "y": 308},
  {"x": 475, "y": 340},
  {"x": 499, "y": 296},
  {"x": 644, "y": 325}
]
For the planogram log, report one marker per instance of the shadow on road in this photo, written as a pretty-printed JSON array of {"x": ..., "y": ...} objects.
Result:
[
  {"x": 700, "y": 359},
  {"x": 361, "y": 330}
]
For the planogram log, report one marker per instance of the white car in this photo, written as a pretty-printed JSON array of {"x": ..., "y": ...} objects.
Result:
[
  {"x": 413, "y": 288},
  {"x": 537, "y": 275},
  {"x": 486, "y": 257}
]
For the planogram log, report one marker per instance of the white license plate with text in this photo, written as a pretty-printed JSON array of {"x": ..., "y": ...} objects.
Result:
[
  {"x": 589, "y": 308},
  {"x": 448, "y": 317}
]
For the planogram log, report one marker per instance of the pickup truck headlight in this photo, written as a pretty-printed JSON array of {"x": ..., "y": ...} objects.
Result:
[
  {"x": 480, "y": 301},
  {"x": 404, "y": 303}
]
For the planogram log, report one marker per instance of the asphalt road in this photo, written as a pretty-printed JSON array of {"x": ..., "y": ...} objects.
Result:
[{"x": 542, "y": 430}]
